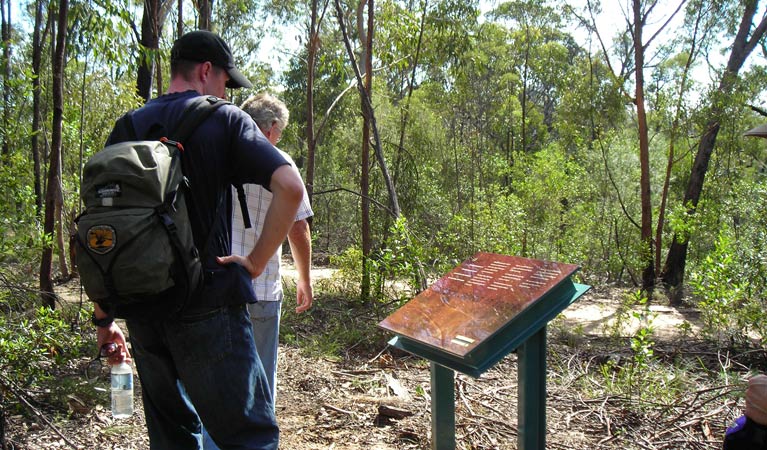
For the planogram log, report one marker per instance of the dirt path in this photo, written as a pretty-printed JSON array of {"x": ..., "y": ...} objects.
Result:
[
  {"x": 599, "y": 308},
  {"x": 337, "y": 404}
]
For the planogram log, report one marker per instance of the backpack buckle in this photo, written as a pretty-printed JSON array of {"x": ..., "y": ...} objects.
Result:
[{"x": 173, "y": 143}]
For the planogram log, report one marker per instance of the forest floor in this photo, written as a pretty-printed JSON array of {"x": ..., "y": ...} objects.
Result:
[{"x": 379, "y": 398}]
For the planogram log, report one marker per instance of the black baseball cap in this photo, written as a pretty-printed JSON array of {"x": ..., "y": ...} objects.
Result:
[{"x": 203, "y": 45}]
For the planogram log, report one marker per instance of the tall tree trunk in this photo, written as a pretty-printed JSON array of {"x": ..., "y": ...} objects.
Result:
[
  {"x": 180, "y": 19},
  {"x": 648, "y": 274},
  {"x": 367, "y": 103},
  {"x": 366, "y": 37},
  {"x": 37, "y": 50},
  {"x": 406, "y": 119},
  {"x": 673, "y": 133},
  {"x": 205, "y": 10},
  {"x": 742, "y": 46},
  {"x": 54, "y": 168},
  {"x": 405, "y": 115},
  {"x": 524, "y": 89},
  {"x": 5, "y": 10},
  {"x": 311, "y": 142},
  {"x": 149, "y": 45},
  {"x": 59, "y": 213}
]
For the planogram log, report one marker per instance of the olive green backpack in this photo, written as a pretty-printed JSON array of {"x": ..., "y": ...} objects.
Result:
[{"x": 134, "y": 241}]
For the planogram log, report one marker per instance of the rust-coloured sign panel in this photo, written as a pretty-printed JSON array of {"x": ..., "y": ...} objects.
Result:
[{"x": 475, "y": 300}]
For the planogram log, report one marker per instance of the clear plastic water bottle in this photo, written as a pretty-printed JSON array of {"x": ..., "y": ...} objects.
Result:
[{"x": 122, "y": 390}]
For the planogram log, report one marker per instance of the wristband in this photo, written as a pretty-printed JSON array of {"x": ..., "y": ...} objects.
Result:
[{"x": 103, "y": 322}]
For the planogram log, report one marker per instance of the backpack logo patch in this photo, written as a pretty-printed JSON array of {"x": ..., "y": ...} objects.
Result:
[
  {"x": 109, "y": 190},
  {"x": 101, "y": 239}
]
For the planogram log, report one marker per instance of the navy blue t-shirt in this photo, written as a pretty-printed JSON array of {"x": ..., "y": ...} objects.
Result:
[{"x": 227, "y": 148}]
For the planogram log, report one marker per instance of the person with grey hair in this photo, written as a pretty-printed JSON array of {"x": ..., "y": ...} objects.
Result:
[
  {"x": 271, "y": 115},
  {"x": 269, "y": 112}
]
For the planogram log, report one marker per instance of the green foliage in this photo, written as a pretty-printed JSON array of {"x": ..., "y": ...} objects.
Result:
[
  {"x": 636, "y": 375},
  {"x": 491, "y": 224},
  {"x": 396, "y": 263},
  {"x": 38, "y": 350},
  {"x": 21, "y": 236},
  {"x": 642, "y": 343},
  {"x": 719, "y": 283},
  {"x": 349, "y": 267},
  {"x": 396, "y": 267},
  {"x": 337, "y": 323}
]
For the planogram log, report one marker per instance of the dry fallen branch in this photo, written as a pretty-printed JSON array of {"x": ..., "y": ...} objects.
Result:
[
  {"x": 394, "y": 412},
  {"x": 338, "y": 410},
  {"x": 8, "y": 385}
]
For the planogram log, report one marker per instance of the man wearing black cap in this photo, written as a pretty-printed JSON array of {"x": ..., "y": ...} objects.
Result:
[{"x": 208, "y": 351}]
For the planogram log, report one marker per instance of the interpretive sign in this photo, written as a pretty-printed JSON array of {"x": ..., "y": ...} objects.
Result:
[
  {"x": 460, "y": 321},
  {"x": 487, "y": 307}
]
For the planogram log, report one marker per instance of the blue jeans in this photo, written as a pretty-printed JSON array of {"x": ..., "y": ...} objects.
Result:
[
  {"x": 210, "y": 351},
  {"x": 265, "y": 317}
]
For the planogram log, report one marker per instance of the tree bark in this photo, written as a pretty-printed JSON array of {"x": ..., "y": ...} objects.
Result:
[
  {"x": 62, "y": 250},
  {"x": 367, "y": 103},
  {"x": 37, "y": 51},
  {"x": 367, "y": 110},
  {"x": 150, "y": 43},
  {"x": 54, "y": 167},
  {"x": 311, "y": 142},
  {"x": 673, "y": 133},
  {"x": 742, "y": 46},
  {"x": 648, "y": 274},
  {"x": 367, "y": 87},
  {"x": 5, "y": 10},
  {"x": 180, "y": 19},
  {"x": 205, "y": 9}
]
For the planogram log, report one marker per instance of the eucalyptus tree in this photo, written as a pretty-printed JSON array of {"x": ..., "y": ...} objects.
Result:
[
  {"x": 542, "y": 53},
  {"x": 333, "y": 117},
  {"x": 37, "y": 49},
  {"x": 399, "y": 50},
  {"x": 5, "y": 33},
  {"x": 79, "y": 44},
  {"x": 485, "y": 88},
  {"x": 365, "y": 89},
  {"x": 747, "y": 30},
  {"x": 310, "y": 16},
  {"x": 317, "y": 14},
  {"x": 53, "y": 193},
  {"x": 149, "y": 44},
  {"x": 640, "y": 14},
  {"x": 670, "y": 87},
  {"x": 635, "y": 48},
  {"x": 450, "y": 26},
  {"x": 503, "y": 99},
  {"x": 205, "y": 12}
]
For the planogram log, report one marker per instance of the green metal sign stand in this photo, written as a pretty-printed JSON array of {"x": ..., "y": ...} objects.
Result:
[
  {"x": 531, "y": 404},
  {"x": 472, "y": 318},
  {"x": 442, "y": 408}
]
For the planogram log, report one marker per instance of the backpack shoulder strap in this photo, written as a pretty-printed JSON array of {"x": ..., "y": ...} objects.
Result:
[
  {"x": 194, "y": 115},
  {"x": 243, "y": 199}
]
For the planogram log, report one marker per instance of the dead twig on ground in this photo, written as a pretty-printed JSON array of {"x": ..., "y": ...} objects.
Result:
[{"x": 8, "y": 385}]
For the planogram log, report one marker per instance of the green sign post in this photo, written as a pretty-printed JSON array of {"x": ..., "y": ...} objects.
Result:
[{"x": 473, "y": 317}]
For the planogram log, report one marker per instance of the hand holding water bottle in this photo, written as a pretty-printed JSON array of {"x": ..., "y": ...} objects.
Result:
[{"x": 121, "y": 377}]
